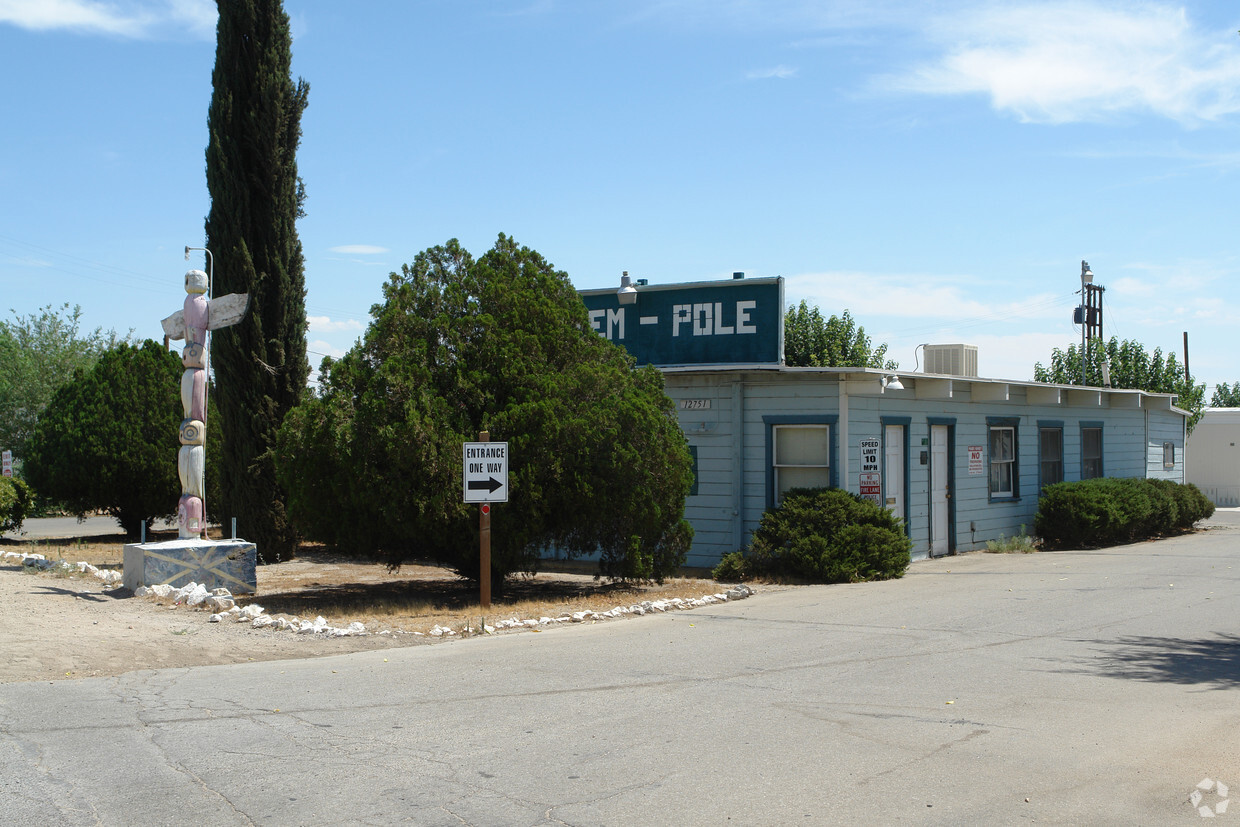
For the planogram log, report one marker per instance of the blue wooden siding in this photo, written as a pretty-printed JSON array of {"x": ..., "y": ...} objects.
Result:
[
  {"x": 1165, "y": 426},
  {"x": 731, "y": 438}
]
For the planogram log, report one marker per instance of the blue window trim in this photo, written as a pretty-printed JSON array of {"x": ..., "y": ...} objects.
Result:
[
  {"x": 1102, "y": 445},
  {"x": 771, "y": 420},
  {"x": 904, "y": 422},
  {"x": 693, "y": 454},
  {"x": 1053, "y": 425},
  {"x": 950, "y": 422},
  {"x": 1012, "y": 422}
]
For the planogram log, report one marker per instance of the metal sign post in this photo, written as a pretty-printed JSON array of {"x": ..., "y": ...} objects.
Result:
[
  {"x": 484, "y": 543},
  {"x": 485, "y": 481}
]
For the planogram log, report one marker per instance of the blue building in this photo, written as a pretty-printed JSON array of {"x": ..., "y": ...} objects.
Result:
[{"x": 959, "y": 458}]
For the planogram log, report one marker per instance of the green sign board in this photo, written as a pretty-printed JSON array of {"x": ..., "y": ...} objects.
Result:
[{"x": 736, "y": 322}]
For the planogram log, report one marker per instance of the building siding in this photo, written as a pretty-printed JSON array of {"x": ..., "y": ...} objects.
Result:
[
  {"x": 1213, "y": 458},
  {"x": 731, "y": 439}
]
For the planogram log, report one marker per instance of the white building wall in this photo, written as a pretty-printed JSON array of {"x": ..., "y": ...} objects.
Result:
[{"x": 1213, "y": 456}]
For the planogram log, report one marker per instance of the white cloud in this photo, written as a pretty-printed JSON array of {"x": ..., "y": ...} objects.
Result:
[
  {"x": 124, "y": 19},
  {"x": 781, "y": 71},
  {"x": 918, "y": 296},
  {"x": 321, "y": 348},
  {"x": 359, "y": 249},
  {"x": 1080, "y": 60},
  {"x": 325, "y": 324},
  {"x": 1013, "y": 357}
]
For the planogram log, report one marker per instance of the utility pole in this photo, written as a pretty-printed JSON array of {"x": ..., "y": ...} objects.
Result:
[
  {"x": 1187, "y": 376},
  {"x": 1089, "y": 314}
]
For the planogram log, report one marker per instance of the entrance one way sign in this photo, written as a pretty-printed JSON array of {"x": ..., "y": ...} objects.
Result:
[{"x": 486, "y": 472}]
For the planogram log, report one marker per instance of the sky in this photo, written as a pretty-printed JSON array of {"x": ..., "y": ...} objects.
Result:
[{"x": 938, "y": 168}]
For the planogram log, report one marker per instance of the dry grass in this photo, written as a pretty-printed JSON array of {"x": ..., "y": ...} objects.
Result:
[
  {"x": 419, "y": 597},
  {"x": 104, "y": 551},
  {"x": 413, "y": 599}
]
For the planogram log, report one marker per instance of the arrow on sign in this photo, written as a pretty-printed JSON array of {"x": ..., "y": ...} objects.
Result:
[{"x": 485, "y": 485}]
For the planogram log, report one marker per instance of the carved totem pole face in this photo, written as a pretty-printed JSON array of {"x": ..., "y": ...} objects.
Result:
[{"x": 195, "y": 282}]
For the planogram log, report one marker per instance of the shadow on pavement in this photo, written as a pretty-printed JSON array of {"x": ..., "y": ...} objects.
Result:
[{"x": 1213, "y": 662}]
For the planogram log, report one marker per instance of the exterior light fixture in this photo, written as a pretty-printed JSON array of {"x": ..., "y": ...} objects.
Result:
[
  {"x": 893, "y": 382},
  {"x": 627, "y": 292},
  {"x": 1087, "y": 278}
]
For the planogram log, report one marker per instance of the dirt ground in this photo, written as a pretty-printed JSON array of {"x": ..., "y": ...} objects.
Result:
[{"x": 60, "y": 627}]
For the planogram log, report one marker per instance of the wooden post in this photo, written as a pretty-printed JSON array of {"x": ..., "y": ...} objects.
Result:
[
  {"x": 484, "y": 542},
  {"x": 1187, "y": 376}
]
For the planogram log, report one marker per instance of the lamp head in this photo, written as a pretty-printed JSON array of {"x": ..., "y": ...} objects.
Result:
[
  {"x": 627, "y": 292},
  {"x": 1087, "y": 275}
]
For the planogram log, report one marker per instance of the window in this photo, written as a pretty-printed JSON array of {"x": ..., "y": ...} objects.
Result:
[
  {"x": 1168, "y": 455},
  {"x": 1091, "y": 451},
  {"x": 1004, "y": 453},
  {"x": 802, "y": 457},
  {"x": 1050, "y": 453},
  {"x": 800, "y": 453},
  {"x": 1002, "y": 461}
]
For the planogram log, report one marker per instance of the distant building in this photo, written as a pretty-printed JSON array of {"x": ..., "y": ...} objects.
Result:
[
  {"x": 960, "y": 459},
  {"x": 1214, "y": 459}
]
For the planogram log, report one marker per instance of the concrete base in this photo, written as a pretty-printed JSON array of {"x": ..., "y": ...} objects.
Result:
[{"x": 216, "y": 564}]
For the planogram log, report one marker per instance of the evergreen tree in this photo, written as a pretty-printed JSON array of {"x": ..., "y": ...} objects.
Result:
[
  {"x": 502, "y": 343},
  {"x": 256, "y": 198},
  {"x": 107, "y": 440}
]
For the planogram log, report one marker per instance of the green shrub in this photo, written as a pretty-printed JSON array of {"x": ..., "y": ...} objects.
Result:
[
  {"x": 1021, "y": 542},
  {"x": 1165, "y": 515},
  {"x": 1132, "y": 500},
  {"x": 733, "y": 568},
  {"x": 1107, "y": 511},
  {"x": 15, "y": 503},
  {"x": 1075, "y": 514},
  {"x": 1194, "y": 505},
  {"x": 827, "y": 535}
]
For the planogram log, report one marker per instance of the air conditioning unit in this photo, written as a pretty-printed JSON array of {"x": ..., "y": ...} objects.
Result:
[{"x": 951, "y": 360}]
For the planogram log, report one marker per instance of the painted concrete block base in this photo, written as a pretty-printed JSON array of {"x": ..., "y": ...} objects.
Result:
[{"x": 216, "y": 564}]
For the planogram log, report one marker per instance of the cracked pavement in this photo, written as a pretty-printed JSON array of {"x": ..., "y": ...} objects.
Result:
[{"x": 1063, "y": 687}]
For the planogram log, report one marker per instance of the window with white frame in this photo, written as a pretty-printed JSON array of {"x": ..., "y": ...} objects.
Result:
[
  {"x": 1168, "y": 455},
  {"x": 1091, "y": 452},
  {"x": 801, "y": 457},
  {"x": 1002, "y": 460}
]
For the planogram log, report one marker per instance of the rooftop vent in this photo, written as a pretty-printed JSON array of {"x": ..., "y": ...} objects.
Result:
[{"x": 951, "y": 360}]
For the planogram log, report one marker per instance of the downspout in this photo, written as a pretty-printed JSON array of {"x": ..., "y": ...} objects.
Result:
[
  {"x": 842, "y": 384},
  {"x": 738, "y": 463}
]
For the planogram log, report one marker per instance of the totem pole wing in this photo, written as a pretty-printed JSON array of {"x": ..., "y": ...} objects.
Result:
[
  {"x": 174, "y": 325},
  {"x": 225, "y": 311}
]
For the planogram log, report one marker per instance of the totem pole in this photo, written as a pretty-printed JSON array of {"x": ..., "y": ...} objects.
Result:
[{"x": 191, "y": 322}]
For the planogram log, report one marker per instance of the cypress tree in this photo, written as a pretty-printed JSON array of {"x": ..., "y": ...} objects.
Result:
[{"x": 256, "y": 198}]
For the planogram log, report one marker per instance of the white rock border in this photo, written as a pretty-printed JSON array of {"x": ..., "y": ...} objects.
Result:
[
  {"x": 109, "y": 577},
  {"x": 223, "y": 606}
]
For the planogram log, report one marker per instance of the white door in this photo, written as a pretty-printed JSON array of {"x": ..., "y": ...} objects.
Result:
[
  {"x": 893, "y": 470},
  {"x": 939, "y": 494}
]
